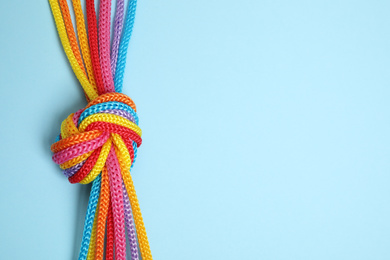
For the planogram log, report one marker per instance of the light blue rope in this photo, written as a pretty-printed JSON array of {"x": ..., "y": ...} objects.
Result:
[
  {"x": 124, "y": 44},
  {"x": 106, "y": 106},
  {"x": 89, "y": 217}
]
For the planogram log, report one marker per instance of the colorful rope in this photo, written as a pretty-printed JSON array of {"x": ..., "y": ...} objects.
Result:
[
  {"x": 99, "y": 143},
  {"x": 122, "y": 52}
]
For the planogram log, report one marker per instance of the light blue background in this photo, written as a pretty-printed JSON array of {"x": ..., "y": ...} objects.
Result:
[{"x": 266, "y": 130}]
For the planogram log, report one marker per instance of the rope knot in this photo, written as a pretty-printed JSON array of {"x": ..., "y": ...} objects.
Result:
[{"x": 87, "y": 136}]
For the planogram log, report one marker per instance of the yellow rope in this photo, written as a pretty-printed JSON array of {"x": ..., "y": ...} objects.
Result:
[
  {"x": 109, "y": 118},
  {"x": 83, "y": 41}
]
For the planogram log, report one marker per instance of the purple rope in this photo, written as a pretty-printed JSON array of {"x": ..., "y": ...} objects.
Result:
[
  {"x": 118, "y": 25},
  {"x": 119, "y": 112},
  {"x": 129, "y": 224},
  {"x": 72, "y": 170}
]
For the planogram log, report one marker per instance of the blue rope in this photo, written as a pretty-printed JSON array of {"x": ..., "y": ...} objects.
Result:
[
  {"x": 108, "y": 105},
  {"x": 89, "y": 217}
]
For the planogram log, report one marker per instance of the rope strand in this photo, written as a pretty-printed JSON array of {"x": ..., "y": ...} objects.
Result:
[
  {"x": 122, "y": 53},
  {"x": 104, "y": 45},
  {"x": 118, "y": 24}
]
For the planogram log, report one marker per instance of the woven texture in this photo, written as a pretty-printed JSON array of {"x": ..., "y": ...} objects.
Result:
[{"x": 98, "y": 144}]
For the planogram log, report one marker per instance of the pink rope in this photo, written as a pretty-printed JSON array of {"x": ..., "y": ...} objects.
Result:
[
  {"x": 115, "y": 178},
  {"x": 104, "y": 45}
]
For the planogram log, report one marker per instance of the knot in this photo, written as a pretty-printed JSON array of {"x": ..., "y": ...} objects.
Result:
[{"x": 87, "y": 136}]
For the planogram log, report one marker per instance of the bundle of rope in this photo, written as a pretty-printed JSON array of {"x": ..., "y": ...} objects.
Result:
[{"x": 99, "y": 143}]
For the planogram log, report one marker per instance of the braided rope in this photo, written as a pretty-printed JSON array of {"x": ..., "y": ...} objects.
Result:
[
  {"x": 110, "y": 235},
  {"x": 89, "y": 218},
  {"x": 71, "y": 33},
  {"x": 92, "y": 243},
  {"x": 104, "y": 44},
  {"x": 121, "y": 63},
  {"x": 118, "y": 24},
  {"x": 117, "y": 205},
  {"x": 99, "y": 143},
  {"x": 83, "y": 40},
  {"x": 94, "y": 45},
  {"x": 131, "y": 234},
  {"x": 79, "y": 72},
  {"x": 102, "y": 217}
]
